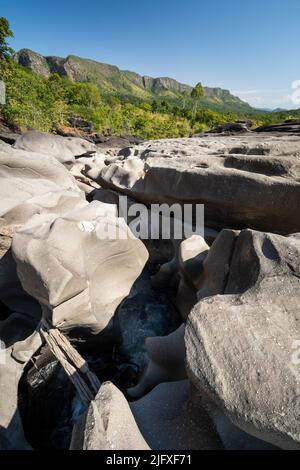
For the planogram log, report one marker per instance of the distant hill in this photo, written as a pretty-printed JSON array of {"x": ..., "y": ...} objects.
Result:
[
  {"x": 127, "y": 85},
  {"x": 279, "y": 110},
  {"x": 270, "y": 110}
]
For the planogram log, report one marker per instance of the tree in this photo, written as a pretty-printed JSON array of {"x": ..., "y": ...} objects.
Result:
[
  {"x": 5, "y": 32},
  {"x": 185, "y": 98},
  {"x": 197, "y": 94},
  {"x": 83, "y": 94}
]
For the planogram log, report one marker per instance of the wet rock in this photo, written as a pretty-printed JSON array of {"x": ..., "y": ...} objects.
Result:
[{"x": 143, "y": 314}]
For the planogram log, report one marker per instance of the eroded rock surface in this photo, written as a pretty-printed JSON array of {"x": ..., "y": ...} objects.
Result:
[
  {"x": 13, "y": 361},
  {"x": 169, "y": 418},
  {"x": 77, "y": 273},
  {"x": 64, "y": 149},
  {"x": 249, "y": 181},
  {"x": 229, "y": 376},
  {"x": 240, "y": 343},
  {"x": 108, "y": 424},
  {"x": 32, "y": 183}
]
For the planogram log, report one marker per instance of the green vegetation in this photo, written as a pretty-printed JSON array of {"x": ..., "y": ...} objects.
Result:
[
  {"x": 5, "y": 32},
  {"x": 128, "y": 86},
  {"x": 45, "y": 101},
  {"x": 197, "y": 95}
]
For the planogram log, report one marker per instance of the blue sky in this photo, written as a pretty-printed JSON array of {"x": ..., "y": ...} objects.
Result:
[{"x": 250, "y": 47}]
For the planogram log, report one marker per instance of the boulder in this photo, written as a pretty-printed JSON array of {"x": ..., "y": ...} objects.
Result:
[
  {"x": 8, "y": 133},
  {"x": 5, "y": 240},
  {"x": 170, "y": 419},
  {"x": 232, "y": 127},
  {"x": 12, "y": 294},
  {"x": 78, "y": 169},
  {"x": 251, "y": 181},
  {"x": 29, "y": 184},
  {"x": 183, "y": 271},
  {"x": 167, "y": 362},
  {"x": 215, "y": 266},
  {"x": 64, "y": 149},
  {"x": 79, "y": 266},
  {"x": 242, "y": 343},
  {"x": 33, "y": 184},
  {"x": 233, "y": 438},
  {"x": 288, "y": 127},
  {"x": 13, "y": 360},
  {"x": 108, "y": 424},
  {"x": 191, "y": 255}
]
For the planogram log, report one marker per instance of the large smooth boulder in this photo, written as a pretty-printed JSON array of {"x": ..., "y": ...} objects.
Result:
[
  {"x": 242, "y": 343},
  {"x": 79, "y": 266},
  {"x": 34, "y": 184},
  {"x": 243, "y": 181},
  {"x": 64, "y": 149},
  {"x": 30, "y": 184},
  {"x": 12, "y": 295}
]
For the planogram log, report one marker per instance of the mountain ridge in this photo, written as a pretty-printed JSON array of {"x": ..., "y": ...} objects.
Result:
[{"x": 126, "y": 84}]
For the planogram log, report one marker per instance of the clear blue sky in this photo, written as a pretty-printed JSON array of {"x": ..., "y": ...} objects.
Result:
[{"x": 250, "y": 47}]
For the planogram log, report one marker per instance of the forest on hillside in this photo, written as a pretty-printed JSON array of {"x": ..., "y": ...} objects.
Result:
[{"x": 46, "y": 104}]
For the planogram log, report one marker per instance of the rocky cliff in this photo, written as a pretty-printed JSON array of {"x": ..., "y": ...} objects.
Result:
[{"x": 111, "y": 80}]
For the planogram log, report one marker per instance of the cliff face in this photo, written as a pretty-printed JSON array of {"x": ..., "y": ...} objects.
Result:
[
  {"x": 36, "y": 62},
  {"x": 111, "y": 80}
]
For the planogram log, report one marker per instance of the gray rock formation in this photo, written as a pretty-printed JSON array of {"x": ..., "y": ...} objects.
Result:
[
  {"x": 16, "y": 356},
  {"x": 75, "y": 268},
  {"x": 230, "y": 175},
  {"x": 167, "y": 362},
  {"x": 33, "y": 183},
  {"x": 229, "y": 376},
  {"x": 240, "y": 343},
  {"x": 64, "y": 149},
  {"x": 108, "y": 424},
  {"x": 288, "y": 127},
  {"x": 31, "y": 60},
  {"x": 30, "y": 184},
  {"x": 191, "y": 256},
  {"x": 170, "y": 419}
]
